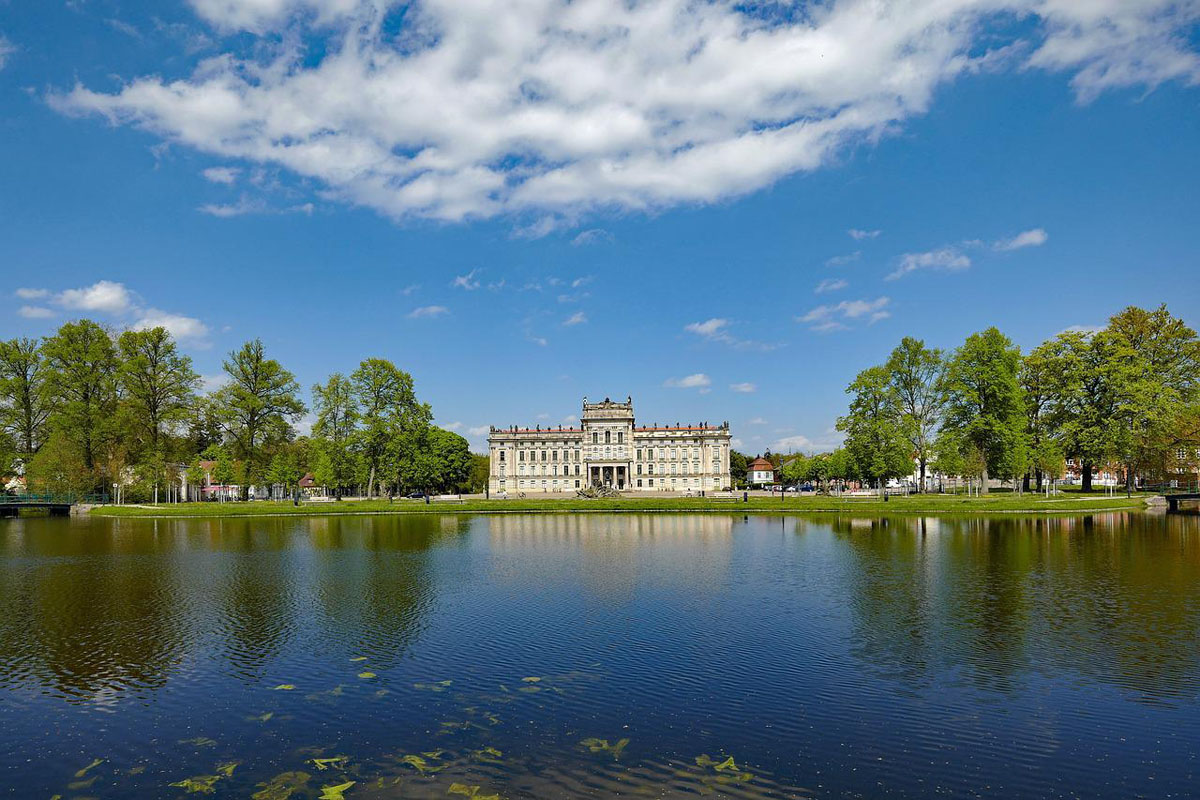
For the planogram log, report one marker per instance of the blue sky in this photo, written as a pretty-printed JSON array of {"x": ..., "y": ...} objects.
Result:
[{"x": 725, "y": 213}]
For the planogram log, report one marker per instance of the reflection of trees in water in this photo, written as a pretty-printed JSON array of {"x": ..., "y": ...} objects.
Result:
[
  {"x": 611, "y": 555},
  {"x": 1114, "y": 597},
  {"x": 84, "y": 612},
  {"x": 374, "y": 581},
  {"x": 99, "y": 606}
]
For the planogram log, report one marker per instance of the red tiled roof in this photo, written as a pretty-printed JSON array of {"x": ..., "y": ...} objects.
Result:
[{"x": 761, "y": 464}]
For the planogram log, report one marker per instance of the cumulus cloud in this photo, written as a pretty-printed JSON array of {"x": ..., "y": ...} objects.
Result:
[
  {"x": 184, "y": 329},
  {"x": 1031, "y": 238},
  {"x": 836, "y": 317},
  {"x": 578, "y": 318},
  {"x": 225, "y": 175},
  {"x": 841, "y": 261},
  {"x": 116, "y": 300},
  {"x": 556, "y": 109},
  {"x": 743, "y": 388},
  {"x": 249, "y": 205},
  {"x": 945, "y": 259},
  {"x": 104, "y": 296},
  {"x": 7, "y": 48},
  {"x": 452, "y": 426},
  {"x": 696, "y": 381},
  {"x": 717, "y": 330},
  {"x": 468, "y": 281},
  {"x": 804, "y": 444},
  {"x": 428, "y": 311},
  {"x": 856, "y": 233},
  {"x": 592, "y": 236},
  {"x": 831, "y": 285},
  {"x": 479, "y": 430}
]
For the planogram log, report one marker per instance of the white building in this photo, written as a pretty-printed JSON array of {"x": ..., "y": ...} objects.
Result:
[{"x": 608, "y": 449}]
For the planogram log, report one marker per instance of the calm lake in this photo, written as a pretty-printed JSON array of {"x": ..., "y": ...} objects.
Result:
[{"x": 600, "y": 656}]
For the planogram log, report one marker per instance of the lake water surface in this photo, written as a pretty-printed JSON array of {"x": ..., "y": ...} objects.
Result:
[{"x": 601, "y": 655}]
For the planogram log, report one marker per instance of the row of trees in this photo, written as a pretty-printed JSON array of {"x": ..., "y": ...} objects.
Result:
[
  {"x": 1127, "y": 395},
  {"x": 87, "y": 408}
]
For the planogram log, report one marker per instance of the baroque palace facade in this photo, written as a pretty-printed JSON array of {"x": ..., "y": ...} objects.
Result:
[{"x": 608, "y": 449}]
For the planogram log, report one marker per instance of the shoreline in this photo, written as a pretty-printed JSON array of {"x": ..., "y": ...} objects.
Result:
[{"x": 974, "y": 506}]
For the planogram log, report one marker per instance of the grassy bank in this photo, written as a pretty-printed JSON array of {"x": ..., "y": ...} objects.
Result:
[{"x": 927, "y": 504}]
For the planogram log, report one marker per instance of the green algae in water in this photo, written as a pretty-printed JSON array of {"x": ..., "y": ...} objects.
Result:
[
  {"x": 95, "y": 763},
  {"x": 467, "y": 790},
  {"x": 440, "y": 686},
  {"x": 328, "y": 763},
  {"x": 366, "y": 675},
  {"x": 199, "y": 784},
  {"x": 227, "y": 768},
  {"x": 335, "y": 792},
  {"x": 266, "y": 717},
  {"x": 488, "y": 755},
  {"x": 284, "y": 687},
  {"x": 84, "y": 784},
  {"x": 419, "y": 764},
  {"x": 602, "y": 746},
  {"x": 359, "y": 658},
  {"x": 532, "y": 680},
  {"x": 200, "y": 741},
  {"x": 282, "y": 786}
]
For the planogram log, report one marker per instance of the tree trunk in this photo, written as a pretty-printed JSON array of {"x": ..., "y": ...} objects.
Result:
[
  {"x": 1025, "y": 483},
  {"x": 1086, "y": 479},
  {"x": 983, "y": 481},
  {"x": 1040, "y": 477},
  {"x": 371, "y": 482},
  {"x": 921, "y": 485}
]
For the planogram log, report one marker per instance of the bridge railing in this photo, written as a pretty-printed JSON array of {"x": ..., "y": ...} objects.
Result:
[
  {"x": 1166, "y": 488},
  {"x": 51, "y": 499}
]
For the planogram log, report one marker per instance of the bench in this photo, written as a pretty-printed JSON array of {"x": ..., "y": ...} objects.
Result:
[
  {"x": 446, "y": 498},
  {"x": 725, "y": 496}
]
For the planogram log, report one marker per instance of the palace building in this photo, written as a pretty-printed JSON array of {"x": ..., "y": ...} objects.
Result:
[{"x": 609, "y": 449}]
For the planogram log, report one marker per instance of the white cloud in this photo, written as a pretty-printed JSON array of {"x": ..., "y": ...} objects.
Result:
[
  {"x": 408, "y": 290},
  {"x": 834, "y": 317},
  {"x": 479, "y": 430},
  {"x": 735, "y": 443},
  {"x": 468, "y": 281},
  {"x": 716, "y": 330},
  {"x": 578, "y": 318},
  {"x": 551, "y": 109},
  {"x": 453, "y": 426},
  {"x": 831, "y": 285},
  {"x": 841, "y": 261},
  {"x": 757, "y": 421},
  {"x": 32, "y": 294},
  {"x": 743, "y": 388},
  {"x": 248, "y": 205},
  {"x": 106, "y": 296},
  {"x": 1031, "y": 238},
  {"x": 7, "y": 48},
  {"x": 570, "y": 419},
  {"x": 428, "y": 311},
  {"x": 709, "y": 328},
  {"x": 945, "y": 259},
  {"x": 225, "y": 175},
  {"x": 35, "y": 312},
  {"x": 592, "y": 236},
  {"x": 211, "y": 383},
  {"x": 697, "y": 381},
  {"x": 1085, "y": 329},
  {"x": 183, "y": 329},
  {"x": 803, "y": 444},
  {"x": 858, "y": 234}
]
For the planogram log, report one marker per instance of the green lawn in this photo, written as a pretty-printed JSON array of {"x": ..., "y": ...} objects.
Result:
[{"x": 956, "y": 504}]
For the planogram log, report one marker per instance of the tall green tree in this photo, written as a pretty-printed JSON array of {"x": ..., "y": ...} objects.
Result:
[
  {"x": 1156, "y": 381},
  {"x": 1038, "y": 382},
  {"x": 1083, "y": 398},
  {"x": 875, "y": 439},
  {"x": 337, "y": 423},
  {"x": 81, "y": 379},
  {"x": 24, "y": 399},
  {"x": 257, "y": 406},
  {"x": 157, "y": 387},
  {"x": 986, "y": 405},
  {"x": 739, "y": 464},
  {"x": 390, "y": 416},
  {"x": 918, "y": 378}
]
